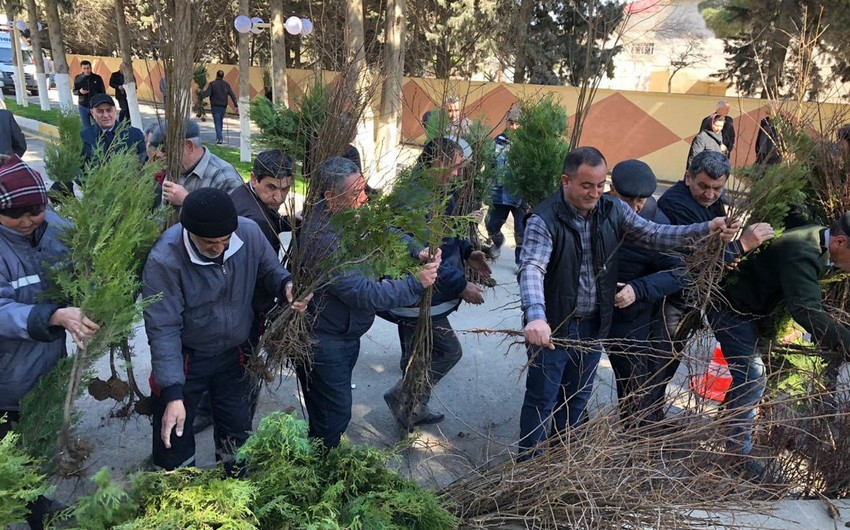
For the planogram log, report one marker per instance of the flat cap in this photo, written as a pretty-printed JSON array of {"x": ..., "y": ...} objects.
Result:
[
  {"x": 633, "y": 178},
  {"x": 100, "y": 99}
]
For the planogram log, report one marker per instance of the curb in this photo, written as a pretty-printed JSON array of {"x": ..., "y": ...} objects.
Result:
[{"x": 38, "y": 128}]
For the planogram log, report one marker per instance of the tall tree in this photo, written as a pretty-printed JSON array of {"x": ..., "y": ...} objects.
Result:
[
  {"x": 127, "y": 64},
  {"x": 389, "y": 116},
  {"x": 60, "y": 63},
  {"x": 278, "y": 53},
  {"x": 38, "y": 55}
]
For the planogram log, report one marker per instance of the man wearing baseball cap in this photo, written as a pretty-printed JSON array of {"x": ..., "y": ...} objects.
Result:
[
  {"x": 105, "y": 130},
  {"x": 205, "y": 269}
]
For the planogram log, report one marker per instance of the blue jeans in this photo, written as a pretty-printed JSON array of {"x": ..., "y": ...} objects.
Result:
[
  {"x": 218, "y": 113},
  {"x": 85, "y": 116},
  {"x": 327, "y": 388},
  {"x": 559, "y": 380},
  {"x": 738, "y": 336}
]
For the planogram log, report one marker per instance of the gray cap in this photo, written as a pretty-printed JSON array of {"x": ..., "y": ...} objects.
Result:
[
  {"x": 633, "y": 178},
  {"x": 159, "y": 132},
  {"x": 513, "y": 114}
]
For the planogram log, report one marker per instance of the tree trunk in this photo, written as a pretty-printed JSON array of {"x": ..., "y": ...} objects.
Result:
[
  {"x": 526, "y": 9},
  {"x": 38, "y": 54},
  {"x": 278, "y": 52},
  {"x": 127, "y": 65},
  {"x": 783, "y": 29},
  {"x": 389, "y": 117},
  {"x": 60, "y": 63},
  {"x": 244, "y": 89},
  {"x": 19, "y": 76}
]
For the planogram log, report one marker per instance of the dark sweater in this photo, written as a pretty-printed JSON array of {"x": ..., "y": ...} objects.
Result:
[{"x": 93, "y": 83}]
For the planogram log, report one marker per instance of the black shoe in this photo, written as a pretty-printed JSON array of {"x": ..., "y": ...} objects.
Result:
[
  {"x": 425, "y": 416},
  {"x": 201, "y": 423},
  {"x": 219, "y": 142},
  {"x": 393, "y": 401}
]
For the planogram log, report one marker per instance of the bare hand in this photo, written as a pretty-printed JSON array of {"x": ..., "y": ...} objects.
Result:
[
  {"x": 478, "y": 215},
  {"x": 756, "y": 234},
  {"x": 174, "y": 417},
  {"x": 472, "y": 294},
  {"x": 727, "y": 232},
  {"x": 425, "y": 255},
  {"x": 173, "y": 193},
  {"x": 625, "y": 296},
  {"x": 427, "y": 274},
  {"x": 301, "y": 304},
  {"x": 538, "y": 333},
  {"x": 299, "y": 216},
  {"x": 478, "y": 262},
  {"x": 77, "y": 324}
]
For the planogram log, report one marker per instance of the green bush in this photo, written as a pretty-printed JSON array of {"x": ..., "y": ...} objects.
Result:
[
  {"x": 20, "y": 482},
  {"x": 63, "y": 158}
]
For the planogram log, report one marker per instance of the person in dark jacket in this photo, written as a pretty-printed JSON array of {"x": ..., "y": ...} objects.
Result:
[
  {"x": 445, "y": 157},
  {"x": 708, "y": 139},
  {"x": 218, "y": 91},
  {"x": 568, "y": 279},
  {"x": 107, "y": 129},
  {"x": 32, "y": 328},
  {"x": 344, "y": 308},
  {"x": 12, "y": 139},
  {"x": 786, "y": 271},
  {"x": 86, "y": 86},
  {"x": 116, "y": 82},
  {"x": 205, "y": 270},
  {"x": 728, "y": 132},
  {"x": 645, "y": 277},
  {"x": 767, "y": 142},
  {"x": 505, "y": 203}
]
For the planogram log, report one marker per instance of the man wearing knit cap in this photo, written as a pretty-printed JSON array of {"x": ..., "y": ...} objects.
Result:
[
  {"x": 32, "y": 329},
  {"x": 644, "y": 278},
  {"x": 205, "y": 269}
]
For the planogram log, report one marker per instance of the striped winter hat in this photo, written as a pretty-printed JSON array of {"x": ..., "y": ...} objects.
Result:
[{"x": 20, "y": 185}]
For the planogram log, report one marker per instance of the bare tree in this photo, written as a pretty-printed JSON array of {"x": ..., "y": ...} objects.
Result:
[
  {"x": 389, "y": 117},
  {"x": 38, "y": 55},
  {"x": 690, "y": 53},
  {"x": 60, "y": 63},
  {"x": 127, "y": 64}
]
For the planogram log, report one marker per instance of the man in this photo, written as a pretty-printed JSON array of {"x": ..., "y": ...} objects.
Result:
[
  {"x": 345, "y": 308},
  {"x": 116, "y": 81},
  {"x": 218, "y": 91},
  {"x": 789, "y": 271},
  {"x": 106, "y": 130},
  {"x": 458, "y": 125},
  {"x": 199, "y": 167},
  {"x": 505, "y": 203},
  {"x": 32, "y": 326},
  {"x": 645, "y": 277},
  {"x": 767, "y": 140},
  {"x": 568, "y": 278},
  {"x": 12, "y": 139},
  {"x": 86, "y": 86},
  {"x": 205, "y": 269},
  {"x": 728, "y": 132}
]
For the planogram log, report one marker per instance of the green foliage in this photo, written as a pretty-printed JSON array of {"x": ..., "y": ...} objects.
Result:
[
  {"x": 482, "y": 162},
  {"x": 106, "y": 508},
  {"x": 278, "y": 125},
  {"x": 63, "y": 158},
  {"x": 538, "y": 148},
  {"x": 774, "y": 190},
  {"x": 34, "y": 112},
  {"x": 20, "y": 481}
]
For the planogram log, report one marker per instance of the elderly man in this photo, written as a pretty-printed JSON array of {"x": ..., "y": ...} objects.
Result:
[
  {"x": 86, "y": 86},
  {"x": 199, "y": 167},
  {"x": 346, "y": 307},
  {"x": 568, "y": 280},
  {"x": 728, "y": 132},
  {"x": 12, "y": 139},
  {"x": 106, "y": 130},
  {"x": 205, "y": 269}
]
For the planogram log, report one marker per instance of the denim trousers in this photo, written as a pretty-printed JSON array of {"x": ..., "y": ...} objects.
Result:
[
  {"x": 218, "y": 120},
  {"x": 558, "y": 384},
  {"x": 496, "y": 219},
  {"x": 85, "y": 116}
]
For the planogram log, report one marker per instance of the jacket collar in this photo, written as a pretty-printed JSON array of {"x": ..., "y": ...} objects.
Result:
[
  {"x": 201, "y": 167},
  {"x": 235, "y": 244}
]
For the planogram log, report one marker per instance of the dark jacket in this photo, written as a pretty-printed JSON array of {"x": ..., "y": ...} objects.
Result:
[
  {"x": 789, "y": 269},
  {"x": 218, "y": 92},
  {"x": 706, "y": 140},
  {"x": 116, "y": 80},
  {"x": 728, "y": 132},
  {"x": 766, "y": 148},
  {"x": 652, "y": 274},
  {"x": 130, "y": 136},
  {"x": 345, "y": 308},
  {"x": 12, "y": 140},
  {"x": 93, "y": 83}
]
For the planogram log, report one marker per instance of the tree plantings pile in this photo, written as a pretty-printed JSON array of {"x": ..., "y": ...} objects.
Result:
[{"x": 289, "y": 482}]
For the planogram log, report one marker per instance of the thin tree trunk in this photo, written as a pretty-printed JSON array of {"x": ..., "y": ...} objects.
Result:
[
  {"x": 60, "y": 63},
  {"x": 20, "y": 77},
  {"x": 526, "y": 9},
  {"x": 278, "y": 52},
  {"x": 244, "y": 89},
  {"x": 38, "y": 54},
  {"x": 389, "y": 117},
  {"x": 127, "y": 65}
]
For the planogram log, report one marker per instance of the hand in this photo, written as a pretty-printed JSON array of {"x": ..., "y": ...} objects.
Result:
[
  {"x": 538, "y": 333},
  {"x": 299, "y": 216},
  {"x": 83, "y": 91},
  {"x": 478, "y": 215},
  {"x": 478, "y": 262},
  {"x": 727, "y": 232},
  {"x": 73, "y": 320},
  {"x": 427, "y": 274},
  {"x": 625, "y": 296},
  {"x": 472, "y": 294},
  {"x": 173, "y": 193},
  {"x": 299, "y": 305},
  {"x": 425, "y": 255},
  {"x": 174, "y": 417},
  {"x": 756, "y": 234},
  {"x": 724, "y": 149}
]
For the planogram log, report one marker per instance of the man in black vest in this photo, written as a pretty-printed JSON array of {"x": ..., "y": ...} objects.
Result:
[{"x": 568, "y": 280}]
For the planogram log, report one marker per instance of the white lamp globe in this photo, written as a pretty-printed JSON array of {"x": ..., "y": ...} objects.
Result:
[
  {"x": 306, "y": 26},
  {"x": 242, "y": 24},
  {"x": 293, "y": 25},
  {"x": 255, "y": 29}
]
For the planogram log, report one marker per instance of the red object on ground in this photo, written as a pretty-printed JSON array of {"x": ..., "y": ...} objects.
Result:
[{"x": 717, "y": 379}]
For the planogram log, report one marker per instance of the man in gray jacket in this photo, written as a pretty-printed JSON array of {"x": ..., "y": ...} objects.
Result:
[{"x": 205, "y": 269}]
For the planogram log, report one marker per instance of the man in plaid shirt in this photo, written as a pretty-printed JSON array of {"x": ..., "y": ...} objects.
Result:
[{"x": 568, "y": 279}]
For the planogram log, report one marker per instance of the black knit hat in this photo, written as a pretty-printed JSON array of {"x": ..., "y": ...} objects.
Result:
[
  {"x": 209, "y": 212},
  {"x": 633, "y": 179}
]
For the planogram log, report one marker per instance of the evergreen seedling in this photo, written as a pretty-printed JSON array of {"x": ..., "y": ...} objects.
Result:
[
  {"x": 20, "y": 481},
  {"x": 63, "y": 158}
]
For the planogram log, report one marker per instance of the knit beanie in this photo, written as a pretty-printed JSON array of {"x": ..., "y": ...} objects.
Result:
[
  {"x": 20, "y": 185},
  {"x": 209, "y": 212}
]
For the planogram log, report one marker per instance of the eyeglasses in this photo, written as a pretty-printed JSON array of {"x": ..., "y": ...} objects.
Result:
[{"x": 17, "y": 213}]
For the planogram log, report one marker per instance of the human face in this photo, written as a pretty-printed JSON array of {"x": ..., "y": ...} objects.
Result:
[
  {"x": 583, "y": 190},
  {"x": 86, "y": 69},
  {"x": 704, "y": 189},
  {"x": 353, "y": 194},
  {"x": 211, "y": 247},
  {"x": 25, "y": 224},
  {"x": 635, "y": 203},
  {"x": 104, "y": 115},
  {"x": 447, "y": 172},
  {"x": 453, "y": 110},
  {"x": 191, "y": 154},
  {"x": 155, "y": 152},
  {"x": 724, "y": 110},
  {"x": 271, "y": 191},
  {"x": 717, "y": 124},
  {"x": 512, "y": 125}
]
